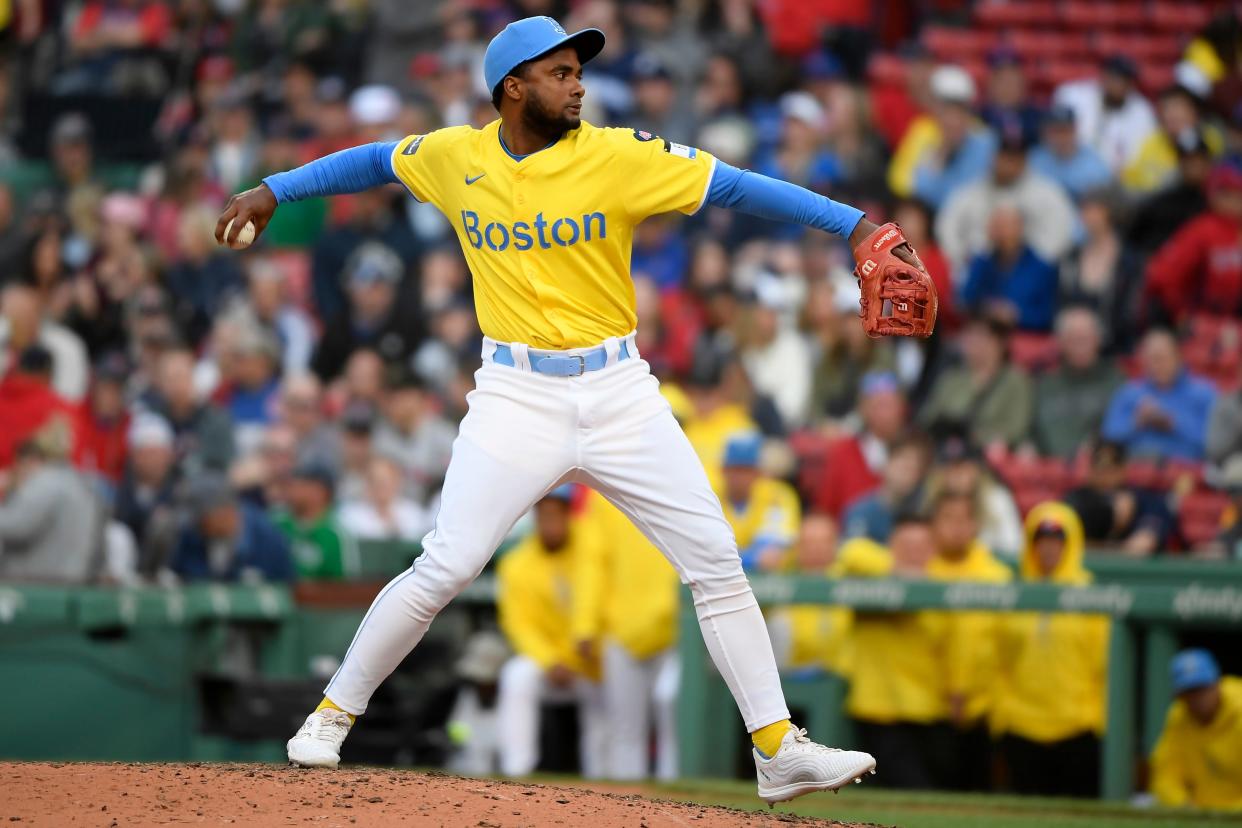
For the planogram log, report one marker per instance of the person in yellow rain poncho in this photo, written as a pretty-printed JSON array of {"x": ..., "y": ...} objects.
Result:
[
  {"x": 547, "y": 602},
  {"x": 811, "y": 636},
  {"x": 637, "y": 628},
  {"x": 763, "y": 511},
  {"x": 1198, "y": 760},
  {"x": 893, "y": 662},
  {"x": 716, "y": 414},
  {"x": 1049, "y": 711},
  {"x": 970, "y": 644}
]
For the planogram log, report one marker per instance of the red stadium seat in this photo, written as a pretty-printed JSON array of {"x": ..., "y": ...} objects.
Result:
[
  {"x": 1208, "y": 328},
  {"x": 1144, "y": 473},
  {"x": 886, "y": 69},
  {"x": 1178, "y": 473},
  {"x": 1213, "y": 349},
  {"x": 957, "y": 45},
  {"x": 1179, "y": 16},
  {"x": 1055, "y": 73},
  {"x": 1155, "y": 77},
  {"x": 1049, "y": 475},
  {"x": 1034, "y": 352},
  {"x": 1035, "y": 45},
  {"x": 1002, "y": 14},
  {"x": 1200, "y": 514},
  {"x": 1028, "y": 498},
  {"x": 1164, "y": 49},
  {"x": 1090, "y": 15}
]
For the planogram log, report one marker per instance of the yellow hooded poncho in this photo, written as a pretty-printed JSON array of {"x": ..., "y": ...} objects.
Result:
[{"x": 1052, "y": 667}]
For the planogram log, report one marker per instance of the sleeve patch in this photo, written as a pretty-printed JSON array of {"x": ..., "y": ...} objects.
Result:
[
  {"x": 644, "y": 135},
  {"x": 680, "y": 150},
  {"x": 413, "y": 146}
]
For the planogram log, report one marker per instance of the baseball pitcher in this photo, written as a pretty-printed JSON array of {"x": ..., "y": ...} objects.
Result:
[{"x": 544, "y": 206}]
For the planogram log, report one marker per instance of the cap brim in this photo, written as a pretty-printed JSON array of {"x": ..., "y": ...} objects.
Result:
[{"x": 587, "y": 43}]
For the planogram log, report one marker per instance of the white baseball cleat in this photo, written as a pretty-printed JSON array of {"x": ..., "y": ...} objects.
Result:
[
  {"x": 317, "y": 744},
  {"x": 801, "y": 766}
]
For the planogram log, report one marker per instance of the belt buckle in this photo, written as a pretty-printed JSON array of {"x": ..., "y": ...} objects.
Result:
[{"x": 581, "y": 363}]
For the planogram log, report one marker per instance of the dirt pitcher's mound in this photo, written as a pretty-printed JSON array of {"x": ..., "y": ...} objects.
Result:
[{"x": 69, "y": 794}]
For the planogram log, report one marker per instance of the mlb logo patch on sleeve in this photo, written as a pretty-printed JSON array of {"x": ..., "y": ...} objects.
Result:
[{"x": 680, "y": 150}]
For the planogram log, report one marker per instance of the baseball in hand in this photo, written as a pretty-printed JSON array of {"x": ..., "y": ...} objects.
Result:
[{"x": 244, "y": 236}]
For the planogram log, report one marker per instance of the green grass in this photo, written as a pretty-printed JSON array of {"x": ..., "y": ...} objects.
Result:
[{"x": 941, "y": 810}]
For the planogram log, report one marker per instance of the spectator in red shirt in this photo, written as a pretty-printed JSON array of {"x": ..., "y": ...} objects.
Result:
[
  {"x": 107, "y": 42},
  {"x": 101, "y": 424},
  {"x": 1200, "y": 268},
  {"x": 27, "y": 401},
  {"x": 854, "y": 464},
  {"x": 915, "y": 219}
]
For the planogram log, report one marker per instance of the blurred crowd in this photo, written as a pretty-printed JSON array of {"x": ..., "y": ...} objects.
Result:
[
  {"x": 173, "y": 411},
  {"x": 219, "y": 414}
]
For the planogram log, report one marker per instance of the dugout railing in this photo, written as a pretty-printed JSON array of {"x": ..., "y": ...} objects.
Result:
[
  {"x": 134, "y": 652},
  {"x": 1144, "y": 614}
]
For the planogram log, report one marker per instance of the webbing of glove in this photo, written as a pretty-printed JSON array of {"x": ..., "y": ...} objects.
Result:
[{"x": 896, "y": 298}]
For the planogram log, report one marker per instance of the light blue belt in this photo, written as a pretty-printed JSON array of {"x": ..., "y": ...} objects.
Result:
[{"x": 562, "y": 365}]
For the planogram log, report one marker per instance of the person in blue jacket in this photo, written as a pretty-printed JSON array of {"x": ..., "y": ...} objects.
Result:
[
  {"x": 1010, "y": 280},
  {"x": 1164, "y": 414},
  {"x": 228, "y": 540}
]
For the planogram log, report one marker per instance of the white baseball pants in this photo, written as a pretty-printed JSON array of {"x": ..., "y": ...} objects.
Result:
[
  {"x": 636, "y": 690},
  {"x": 522, "y": 690},
  {"x": 526, "y": 433}
]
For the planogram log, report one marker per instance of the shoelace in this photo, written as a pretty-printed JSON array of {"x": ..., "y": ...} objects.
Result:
[
  {"x": 328, "y": 726},
  {"x": 800, "y": 738}
]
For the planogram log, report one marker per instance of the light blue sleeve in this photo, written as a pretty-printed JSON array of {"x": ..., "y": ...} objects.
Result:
[
  {"x": 770, "y": 198},
  {"x": 935, "y": 184},
  {"x": 1118, "y": 423},
  {"x": 1190, "y": 418},
  {"x": 348, "y": 171}
]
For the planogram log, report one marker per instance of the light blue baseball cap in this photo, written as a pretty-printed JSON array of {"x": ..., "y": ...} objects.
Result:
[
  {"x": 563, "y": 492},
  {"x": 530, "y": 37},
  {"x": 1193, "y": 669},
  {"x": 743, "y": 451}
]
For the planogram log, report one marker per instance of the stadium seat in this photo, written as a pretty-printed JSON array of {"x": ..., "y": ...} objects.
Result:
[
  {"x": 1179, "y": 16},
  {"x": 1178, "y": 473},
  {"x": 1155, "y": 77},
  {"x": 1200, "y": 514},
  {"x": 886, "y": 69},
  {"x": 1023, "y": 473},
  {"x": 1003, "y": 14},
  {"x": 1092, "y": 16},
  {"x": 1143, "y": 48},
  {"x": 1028, "y": 498},
  {"x": 1145, "y": 474},
  {"x": 1210, "y": 327},
  {"x": 1036, "y": 45},
  {"x": 1055, "y": 73},
  {"x": 958, "y": 45},
  {"x": 1212, "y": 348},
  {"x": 1033, "y": 351}
]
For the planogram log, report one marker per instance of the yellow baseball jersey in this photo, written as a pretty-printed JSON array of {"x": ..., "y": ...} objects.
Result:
[
  {"x": 547, "y": 237},
  {"x": 770, "y": 517},
  {"x": 639, "y": 586},
  {"x": 546, "y": 602}
]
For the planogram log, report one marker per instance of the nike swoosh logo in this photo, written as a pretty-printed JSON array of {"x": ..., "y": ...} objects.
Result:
[{"x": 470, "y": 180}]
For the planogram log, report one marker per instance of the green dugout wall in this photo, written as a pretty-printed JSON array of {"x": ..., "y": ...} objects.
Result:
[
  {"x": 1141, "y": 611},
  {"x": 74, "y": 655}
]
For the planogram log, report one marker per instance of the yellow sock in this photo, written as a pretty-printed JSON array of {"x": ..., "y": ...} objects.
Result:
[
  {"x": 327, "y": 702},
  {"x": 768, "y": 738}
]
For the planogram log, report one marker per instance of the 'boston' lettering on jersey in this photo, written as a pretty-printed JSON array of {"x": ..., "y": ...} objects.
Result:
[{"x": 562, "y": 231}]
